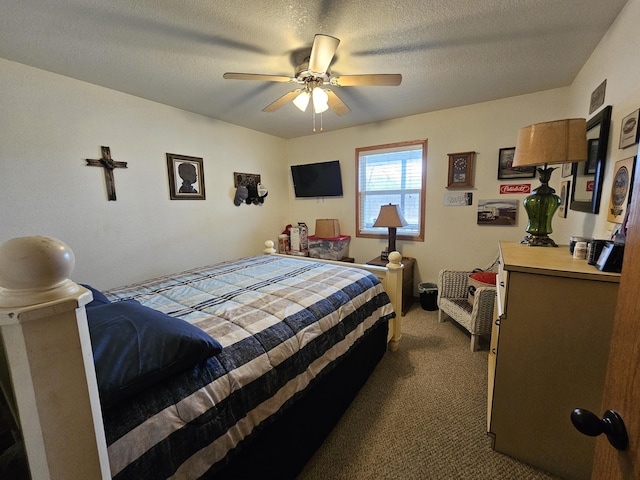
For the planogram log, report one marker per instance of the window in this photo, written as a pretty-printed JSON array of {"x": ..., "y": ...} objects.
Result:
[{"x": 396, "y": 174}]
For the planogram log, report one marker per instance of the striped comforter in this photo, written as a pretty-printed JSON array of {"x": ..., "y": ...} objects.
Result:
[{"x": 282, "y": 322}]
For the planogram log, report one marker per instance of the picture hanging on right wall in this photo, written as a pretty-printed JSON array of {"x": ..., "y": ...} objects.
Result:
[
  {"x": 629, "y": 130},
  {"x": 620, "y": 189}
]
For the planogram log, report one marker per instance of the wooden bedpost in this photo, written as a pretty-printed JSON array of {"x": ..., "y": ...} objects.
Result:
[
  {"x": 46, "y": 362},
  {"x": 393, "y": 286}
]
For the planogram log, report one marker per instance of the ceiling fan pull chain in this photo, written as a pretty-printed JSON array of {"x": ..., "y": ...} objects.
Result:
[{"x": 320, "y": 122}]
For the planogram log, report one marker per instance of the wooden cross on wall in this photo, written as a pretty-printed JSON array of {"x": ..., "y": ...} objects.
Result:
[{"x": 108, "y": 164}]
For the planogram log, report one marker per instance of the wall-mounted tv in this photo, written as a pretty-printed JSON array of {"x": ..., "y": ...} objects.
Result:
[{"x": 317, "y": 179}]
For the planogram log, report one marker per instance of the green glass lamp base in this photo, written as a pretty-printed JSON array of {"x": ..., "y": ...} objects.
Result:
[{"x": 540, "y": 207}]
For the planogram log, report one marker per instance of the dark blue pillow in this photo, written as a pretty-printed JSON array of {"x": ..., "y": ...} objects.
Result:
[
  {"x": 98, "y": 297},
  {"x": 135, "y": 347}
]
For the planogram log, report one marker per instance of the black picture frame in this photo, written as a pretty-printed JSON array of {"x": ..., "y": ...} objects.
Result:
[
  {"x": 186, "y": 177},
  {"x": 506, "y": 171}
]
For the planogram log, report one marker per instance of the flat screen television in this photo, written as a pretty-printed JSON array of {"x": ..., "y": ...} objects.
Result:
[{"x": 317, "y": 179}]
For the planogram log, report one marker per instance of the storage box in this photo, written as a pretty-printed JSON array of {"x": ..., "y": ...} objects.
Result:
[
  {"x": 327, "y": 228},
  {"x": 329, "y": 248}
]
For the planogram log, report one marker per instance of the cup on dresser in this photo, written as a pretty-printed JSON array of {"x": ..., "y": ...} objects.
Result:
[{"x": 573, "y": 240}]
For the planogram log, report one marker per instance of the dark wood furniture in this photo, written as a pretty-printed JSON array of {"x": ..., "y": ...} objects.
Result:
[{"x": 407, "y": 279}]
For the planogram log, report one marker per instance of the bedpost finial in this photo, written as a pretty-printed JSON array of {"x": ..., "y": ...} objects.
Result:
[
  {"x": 268, "y": 247},
  {"x": 35, "y": 270}
]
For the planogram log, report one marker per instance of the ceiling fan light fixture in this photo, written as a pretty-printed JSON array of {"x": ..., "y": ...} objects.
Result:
[
  {"x": 320, "y": 100},
  {"x": 302, "y": 100}
]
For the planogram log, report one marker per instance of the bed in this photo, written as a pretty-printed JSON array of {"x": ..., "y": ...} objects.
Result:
[{"x": 278, "y": 347}]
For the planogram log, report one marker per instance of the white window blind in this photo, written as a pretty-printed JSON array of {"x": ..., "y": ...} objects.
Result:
[{"x": 392, "y": 174}]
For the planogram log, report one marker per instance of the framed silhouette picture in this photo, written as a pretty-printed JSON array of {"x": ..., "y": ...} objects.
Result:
[{"x": 186, "y": 177}]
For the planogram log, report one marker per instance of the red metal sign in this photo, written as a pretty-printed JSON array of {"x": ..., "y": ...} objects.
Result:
[{"x": 515, "y": 188}]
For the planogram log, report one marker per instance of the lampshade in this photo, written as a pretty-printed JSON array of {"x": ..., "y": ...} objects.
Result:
[
  {"x": 560, "y": 141},
  {"x": 320, "y": 100},
  {"x": 302, "y": 100},
  {"x": 390, "y": 216}
]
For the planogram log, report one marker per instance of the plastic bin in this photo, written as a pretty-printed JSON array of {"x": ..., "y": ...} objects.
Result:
[{"x": 428, "y": 296}]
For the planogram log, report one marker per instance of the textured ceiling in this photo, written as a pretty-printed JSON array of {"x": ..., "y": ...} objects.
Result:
[{"x": 449, "y": 52}]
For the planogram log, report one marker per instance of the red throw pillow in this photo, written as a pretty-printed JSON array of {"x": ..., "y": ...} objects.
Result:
[{"x": 484, "y": 277}]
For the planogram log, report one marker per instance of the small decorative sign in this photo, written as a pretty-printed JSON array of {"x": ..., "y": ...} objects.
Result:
[
  {"x": 620, "y": 190},
  {"x": 629, "y": 130},
  {"x": 590, "y": 185},
  {"x": 597, "y": 97},
  {"x": 564, "y": 197},
  {"x": 515, "y": 188},
  {"x": 458, "y": 199}
]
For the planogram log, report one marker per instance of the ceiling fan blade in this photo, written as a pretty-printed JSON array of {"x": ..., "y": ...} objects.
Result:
[
  {"x": 322, "y": 52},
  {"x": 380, "y": 79},
  {"x": 336, "y": 104},
  {"x": 257, "y": 76},
  {"x": 282, "y": 101}
]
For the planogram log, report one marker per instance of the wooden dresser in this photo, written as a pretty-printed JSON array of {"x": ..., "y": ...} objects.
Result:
[{"x": 548, "y": 355}]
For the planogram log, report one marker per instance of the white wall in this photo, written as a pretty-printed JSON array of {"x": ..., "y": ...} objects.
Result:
[
  {"x": 452, "y": 238},
  {"x": 51, "y": 123},
  {"x": 617, "y": 59}
]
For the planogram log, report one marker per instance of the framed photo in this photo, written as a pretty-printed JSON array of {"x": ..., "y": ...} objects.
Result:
[
  {"x": 620, "y": 189},
  {"x": 564, "y": 198},
  {"x": 186, "y": 177},
  {"x": 629, "y": 130},
  {"x": 567, "y": 169},
  {"x": 597, "y": 97},
  {"x": 460, "y": 170},
  {"x": 497, "y": 212},
  {"x": 505, "y": 168},
  {"x": 592, "y": 156}
]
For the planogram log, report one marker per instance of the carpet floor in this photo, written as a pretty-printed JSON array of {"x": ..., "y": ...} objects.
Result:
[{"x": 421, "y": 415}]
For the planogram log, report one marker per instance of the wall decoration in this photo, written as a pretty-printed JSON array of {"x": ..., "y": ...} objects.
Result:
[
  {"x": 515, "y": 188},
  {"x": 620, "y": 189},
  {"x": 629, "y": 130},
  {"x": 460, "y": 170},
  {"x": 186, "y": 177},
  {"x": 108, "y": 164},
  {"x": 597, "y": 97},
  {"x": 249, "y": 189},
  {"x": 592, "y": 156},
  {"x": 458, "y": 199},
  {"x": 506, "y": 171},
  {"x": 567, "y": 169},
  {"x": 564, "y": 198},
  {"x": 497, "y": 212}
]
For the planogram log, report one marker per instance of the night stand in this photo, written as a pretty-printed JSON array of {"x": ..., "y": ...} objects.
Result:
[{"x": 407, "y": 279}]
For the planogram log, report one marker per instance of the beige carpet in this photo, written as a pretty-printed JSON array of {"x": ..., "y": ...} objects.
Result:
[{"x": 421, "y": 415}]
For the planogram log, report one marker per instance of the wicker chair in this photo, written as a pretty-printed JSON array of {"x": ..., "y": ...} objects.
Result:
[{"x": 452, "y": 301}]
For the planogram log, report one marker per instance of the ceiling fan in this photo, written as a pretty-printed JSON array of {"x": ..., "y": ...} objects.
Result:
[{"x": 313, "y": 74}]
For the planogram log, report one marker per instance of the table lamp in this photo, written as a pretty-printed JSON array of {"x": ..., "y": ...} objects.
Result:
[
  {"x": 560, "y": 141},
  {"x": 391, "y": 217}
]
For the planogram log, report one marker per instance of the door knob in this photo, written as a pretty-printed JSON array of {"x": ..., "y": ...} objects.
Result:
[{"x": 611, "y": 425}]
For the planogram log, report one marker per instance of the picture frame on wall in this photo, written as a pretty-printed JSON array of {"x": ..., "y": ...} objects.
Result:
[
  {"x": 460, "y": 170},
  {"x": 505, "y": 169},
  {"x": 620, "y": 189},
  {"x": 629, "y": 130},
  {"x": 186, "y": 177},
  {"x": 564, "y": 198},
  {"x": 567, "y": 170}
]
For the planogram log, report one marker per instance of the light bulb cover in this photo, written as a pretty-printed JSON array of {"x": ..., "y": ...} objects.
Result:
[
  {"x": 320, "y": 100},
  {"x": 302, "y": 100}
]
